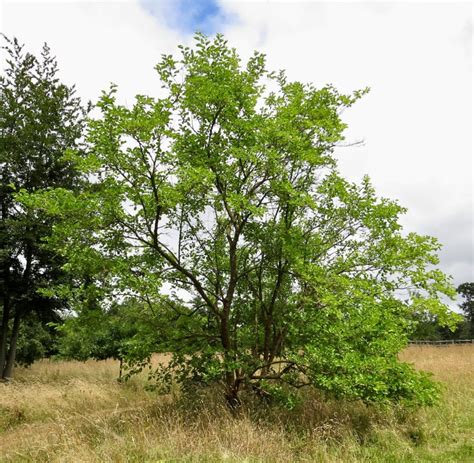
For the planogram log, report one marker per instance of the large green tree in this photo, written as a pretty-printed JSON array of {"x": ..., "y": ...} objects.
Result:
[
  {"x": 224, "y": 193},
  {"x": 40, "y": 118}
]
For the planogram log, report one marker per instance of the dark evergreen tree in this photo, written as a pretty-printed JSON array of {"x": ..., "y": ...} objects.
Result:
[
  {"x": 40, "y": 120},
  {"x": 467, "y": 292}
]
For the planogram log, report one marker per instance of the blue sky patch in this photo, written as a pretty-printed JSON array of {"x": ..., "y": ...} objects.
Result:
[{"x": 187, "y": 16}]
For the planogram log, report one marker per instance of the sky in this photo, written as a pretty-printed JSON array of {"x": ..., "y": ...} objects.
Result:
[{"x": 416, "y": 122}]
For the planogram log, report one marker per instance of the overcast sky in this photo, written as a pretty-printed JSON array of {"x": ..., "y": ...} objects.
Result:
[{"x": 417, "y": 58}]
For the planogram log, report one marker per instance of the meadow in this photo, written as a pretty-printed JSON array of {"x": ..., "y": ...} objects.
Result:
[{"x": 78, "y": 412}]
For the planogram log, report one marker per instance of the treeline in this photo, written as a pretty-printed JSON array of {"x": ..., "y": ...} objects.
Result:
[
  {"x": 114, "y": 333},
  {"x": 212, "y": 223},
  {"x": 427, "y": 326}
]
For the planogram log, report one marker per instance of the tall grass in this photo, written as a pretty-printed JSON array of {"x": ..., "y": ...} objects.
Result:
[{"x": 78, "y": 412}]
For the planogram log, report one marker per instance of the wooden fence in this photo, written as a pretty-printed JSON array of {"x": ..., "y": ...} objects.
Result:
[{"x": 444, "y": 342}]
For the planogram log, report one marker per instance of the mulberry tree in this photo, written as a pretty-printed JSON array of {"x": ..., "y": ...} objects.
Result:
[{"x": 219, "y": 203}]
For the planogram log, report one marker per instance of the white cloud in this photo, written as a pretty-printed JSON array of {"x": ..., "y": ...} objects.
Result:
[
  {"x": 95, "y": 42},
  {"x": 416, "y": 57},
  {"x": 417, "y": 119}
]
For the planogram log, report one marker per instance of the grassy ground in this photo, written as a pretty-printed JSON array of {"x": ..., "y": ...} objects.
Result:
[{"x": 77, "y": 412}]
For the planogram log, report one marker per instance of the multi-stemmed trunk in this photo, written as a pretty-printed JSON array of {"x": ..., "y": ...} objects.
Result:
[{"x": 232, "y": 381}]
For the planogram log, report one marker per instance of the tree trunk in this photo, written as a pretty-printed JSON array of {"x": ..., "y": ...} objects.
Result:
[
  {"x": 232, "y": 381},
  {"x": 4, "y": 331},
  {"x": 232, "y": 391},
  {"x": 267, "y": 320},
  {"x": 119, "y": 379},
  {"x": 6, "y": 277},
  {"x": 10, "y": 363},
  {"x": 7, "y": 372}
]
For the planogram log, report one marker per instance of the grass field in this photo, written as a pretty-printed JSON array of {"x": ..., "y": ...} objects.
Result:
[{"x": 77, "y": 412}]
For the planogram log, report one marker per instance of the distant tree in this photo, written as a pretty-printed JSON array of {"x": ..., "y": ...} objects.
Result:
[
  {"x": 224, "y": 192},
  {"x": 425, "y": 327},
  {"x": 466, "y": 290},
  {"x": 37, "y": 338},
  {"x": 40, "y": 119},
  {"x": 428, "y": 328},
  {"x": 122, "y": 331}
]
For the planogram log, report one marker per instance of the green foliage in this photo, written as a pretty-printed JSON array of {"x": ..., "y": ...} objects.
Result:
[
  {"x": 114, "y": 333},
  {"x": 224, "y": 194},
  {"x": 40, "y": 118},
  {"x": 279, "y": 395},
  {"x": 426, "y": 327},
  {"x": 466, "y": 290},
  {"x": 37, "y": 339}
]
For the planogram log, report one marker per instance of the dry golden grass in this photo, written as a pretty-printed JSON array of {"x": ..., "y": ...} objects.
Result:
[
  {"x": 447, "y": 362},
  {"x": 77, "y": 412}
]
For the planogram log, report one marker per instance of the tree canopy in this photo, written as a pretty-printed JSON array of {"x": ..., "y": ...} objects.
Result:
[
  {"x": 40, "y": 118},
  {"x": 218, "y": 203}
]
